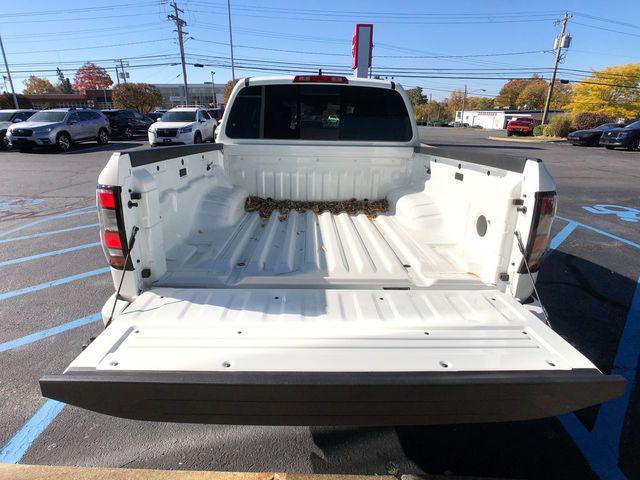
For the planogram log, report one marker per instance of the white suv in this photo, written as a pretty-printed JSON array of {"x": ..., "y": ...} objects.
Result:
[{"x": 183, "y": 126}]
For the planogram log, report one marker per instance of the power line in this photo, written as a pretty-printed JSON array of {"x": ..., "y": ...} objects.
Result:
[{"x": 91, "y": 48}]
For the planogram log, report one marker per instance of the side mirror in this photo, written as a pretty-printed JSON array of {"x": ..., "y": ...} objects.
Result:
[
  {"x": 18, "y": 120},
  {"x": 72, "y": 122}
]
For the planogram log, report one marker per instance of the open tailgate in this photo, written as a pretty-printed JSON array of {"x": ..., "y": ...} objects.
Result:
[{"x": 329, "y": 357}]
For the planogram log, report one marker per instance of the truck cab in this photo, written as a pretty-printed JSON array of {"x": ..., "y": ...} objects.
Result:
[{"x": 319, "y": 265}]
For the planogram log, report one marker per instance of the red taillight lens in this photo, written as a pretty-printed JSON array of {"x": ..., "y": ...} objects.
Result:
[
  {"x": 111, "y": 239},
  {"x": 543, "y": 214},
  {"x": 319, "y": 79},
  {"x": 111, "y": 225},
  {"x": 106, "y": 198}
]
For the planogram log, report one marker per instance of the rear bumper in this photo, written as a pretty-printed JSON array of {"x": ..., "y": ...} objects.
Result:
[{"x": 289, "y": 398}]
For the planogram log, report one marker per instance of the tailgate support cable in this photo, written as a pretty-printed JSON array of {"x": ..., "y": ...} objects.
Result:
[
  {"x": 533, "y": 283},
  {"x": 132, "y": 242}
]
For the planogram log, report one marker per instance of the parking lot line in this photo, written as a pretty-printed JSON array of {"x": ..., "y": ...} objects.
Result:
[
  {"x": 562, "y": 235},
  {"x": 612, "y": 414},
  {"x": 601, "y": 446},
  {"x": 18, "y": 445},
  {"x": 52, "y": 283},
  {"x": 70, "y": 213},
  {"x": 601, "y": 232},
  {"x": 13, "y": 261},
  {"x": 46, "y": 234},
  {"x": 49, "y": 332}
]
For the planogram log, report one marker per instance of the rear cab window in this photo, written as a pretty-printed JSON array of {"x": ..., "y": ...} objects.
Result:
[{"x": 319, "y": 112}]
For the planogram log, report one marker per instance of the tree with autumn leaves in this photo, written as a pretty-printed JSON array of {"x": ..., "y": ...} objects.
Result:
[
  {"x": 532, "y": 93},
  {"x": 91, "y": 77},
  {"x": 612, "y": 91}
]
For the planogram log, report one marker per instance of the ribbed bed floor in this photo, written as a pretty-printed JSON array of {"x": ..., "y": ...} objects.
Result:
[{"x": 309, "y": 249}]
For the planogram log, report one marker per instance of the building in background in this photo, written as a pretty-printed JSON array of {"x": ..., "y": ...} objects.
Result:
[
  {"x": 99, "y": 99},
  {"x": 199, "y": 94},
  {"x": 496, "y": 118}
]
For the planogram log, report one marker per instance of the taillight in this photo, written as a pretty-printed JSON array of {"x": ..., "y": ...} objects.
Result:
[
  {"x": 112, "y": 232},
  {"x": 543, "y": 213},
  {"x": 319, "y": 79}
]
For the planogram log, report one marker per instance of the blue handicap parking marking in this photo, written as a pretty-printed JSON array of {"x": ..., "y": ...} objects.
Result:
[
  {"x": 18, "y": 445},
  {"x": 601, "y": 446},
  {"x": 626, "y": 214}
]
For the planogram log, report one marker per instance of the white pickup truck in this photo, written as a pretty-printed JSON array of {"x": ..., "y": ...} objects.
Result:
[{"x": 314, "y": 308}]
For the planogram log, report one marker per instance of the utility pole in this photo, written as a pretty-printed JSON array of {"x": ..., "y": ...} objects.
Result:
[
  {"x": 6, "y": 65},
  {"x": 117, "y": 74},
  {"x": 560, "y": 41},
  {"x": 464, "y": 101},
  {"x": 124, "y": 74},
  {"x": 429, "y": 111},
  {"x": 233, "y": 67},
  {"x": 179, "y": 24}
]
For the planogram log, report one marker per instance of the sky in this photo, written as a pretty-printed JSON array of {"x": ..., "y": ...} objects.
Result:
[{"x": 473, "y": 43}]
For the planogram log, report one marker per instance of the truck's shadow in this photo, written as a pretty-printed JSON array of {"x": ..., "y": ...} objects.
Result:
[{"x": 588, "y": 305}]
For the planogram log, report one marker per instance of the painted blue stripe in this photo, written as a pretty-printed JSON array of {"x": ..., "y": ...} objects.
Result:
[
  {"x": 602, "y": 232},
  {"x": 70, "y": 213},
  {"x": 600, "y": 458},
  {"x": 612, "y": 414},
  {"x": 52, "y": 283},
  {"x": 13, "y": 261},
  {"x": 46, "y": 234},
  {"x": 49, "y": 332},
  {"x": 562, "y": 235},
  {"x": 15, "y": 448}
]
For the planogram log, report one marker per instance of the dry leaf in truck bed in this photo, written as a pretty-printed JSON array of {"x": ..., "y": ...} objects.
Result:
[{"x": 266, "y": 206}]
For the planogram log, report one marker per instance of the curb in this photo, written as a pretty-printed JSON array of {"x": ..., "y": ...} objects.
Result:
[
  {"x": 40, "y": 472},
  {"x": 529, "y": 140}
]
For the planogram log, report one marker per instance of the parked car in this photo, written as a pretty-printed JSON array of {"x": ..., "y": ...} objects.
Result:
[
  {"x": 59, "y": 127},
  {"x": 8, "y": 118},
  {"x": 264, "y": 289},
  {"x": 521, "y": 126},
  {"x": 626, "y": 137},
  {"x": 155, "y": 116},
  {"x": 591, "y": 136},
  {"x": 182, "y": 126},
  {"x": 126, "y": 122}
]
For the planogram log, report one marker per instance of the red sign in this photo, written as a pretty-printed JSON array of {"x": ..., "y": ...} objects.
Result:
[{"x": 355, "y": 42}]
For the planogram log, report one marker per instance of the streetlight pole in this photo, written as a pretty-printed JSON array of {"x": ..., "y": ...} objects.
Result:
[
  {"x": 464, "y": 101},
  {"x": 6, "y": 66},
  {"x": 233, "y": 67},
  {"x": 213, "y": 90}
]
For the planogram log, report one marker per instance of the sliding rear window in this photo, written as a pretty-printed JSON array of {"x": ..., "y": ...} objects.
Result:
[{"x": 319, "y": 112}]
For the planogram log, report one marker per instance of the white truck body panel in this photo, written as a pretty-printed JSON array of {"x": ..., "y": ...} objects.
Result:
[{"x": 411, "y": 316}]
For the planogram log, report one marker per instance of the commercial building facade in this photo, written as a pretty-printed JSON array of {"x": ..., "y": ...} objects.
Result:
[{"x": 199, "y": 94}]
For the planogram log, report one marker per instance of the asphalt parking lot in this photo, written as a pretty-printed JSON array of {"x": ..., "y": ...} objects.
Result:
[{"x": 55, "y": 284}]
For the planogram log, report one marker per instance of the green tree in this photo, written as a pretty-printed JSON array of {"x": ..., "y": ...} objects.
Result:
[
  {"x": 612, "y": 91},
  {"x": 415, "y": 96},
  {"x": 141, "y": 96},
  {"x": 484, "y": 103},
  {"x": 64, "y": 84}
]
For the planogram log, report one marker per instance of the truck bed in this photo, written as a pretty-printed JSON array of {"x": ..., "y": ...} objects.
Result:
[{"x": 313, "y": 249}]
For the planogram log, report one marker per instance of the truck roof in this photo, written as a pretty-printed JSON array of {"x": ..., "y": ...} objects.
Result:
[{"x": 363, "y": 82}]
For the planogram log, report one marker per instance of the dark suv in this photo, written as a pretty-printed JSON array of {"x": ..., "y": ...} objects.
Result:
[
  {"x": 126, "y": 122},
  {"x": 627, "y": 137}
]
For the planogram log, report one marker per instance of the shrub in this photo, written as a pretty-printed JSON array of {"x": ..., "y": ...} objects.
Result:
[
  {"x": 538, "y": 130},
  {"x": 546, "y": 131},
  {"x": 560, "y": 125},
  {"x": 587, "y": 120}
]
